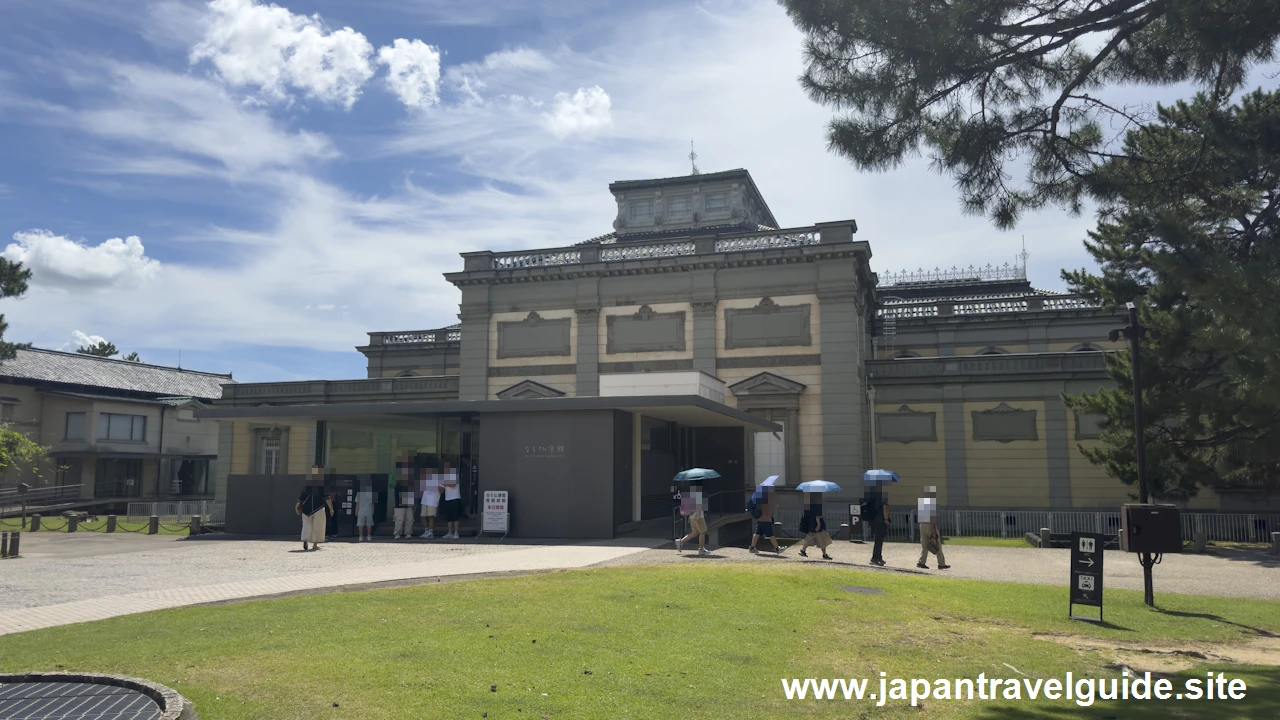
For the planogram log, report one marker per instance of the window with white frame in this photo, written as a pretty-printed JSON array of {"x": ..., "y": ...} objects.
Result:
[
  {"x": 641, "y": 210},
  {"x": 122, "y": 428},
  {"x": 271, "y": 452},
  {"x": 717, "y": 202},
  {"x": 75, "y": 426},
  {"x": 679, "y": 206}
]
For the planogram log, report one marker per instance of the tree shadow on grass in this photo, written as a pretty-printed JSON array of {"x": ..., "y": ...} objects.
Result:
[{"x": 1218, "y": 618}]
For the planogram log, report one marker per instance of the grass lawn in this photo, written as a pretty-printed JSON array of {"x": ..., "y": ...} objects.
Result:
[
  {"x": 60, "y": 523},
  {"x": 698, "y": 640}
]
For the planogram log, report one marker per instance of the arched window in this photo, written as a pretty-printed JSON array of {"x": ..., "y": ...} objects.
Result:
[
  {"x": 992, "y": 350},
  {"x": 905, "y": 354},
  {"x": 406, "y": 373},
  {"x": 1086, "y": 347}
]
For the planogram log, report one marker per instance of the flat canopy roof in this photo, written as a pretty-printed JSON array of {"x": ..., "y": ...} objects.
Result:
[{"x": 689, "y": 410}]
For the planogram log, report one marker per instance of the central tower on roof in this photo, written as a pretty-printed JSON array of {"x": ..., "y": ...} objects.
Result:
[{"x": 690, "y": 205}]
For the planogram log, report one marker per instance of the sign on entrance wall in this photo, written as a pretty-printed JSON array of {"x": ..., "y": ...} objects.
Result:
[
  {"x": 1086, "y": 573},
  {"x": 497, "y": 512}
]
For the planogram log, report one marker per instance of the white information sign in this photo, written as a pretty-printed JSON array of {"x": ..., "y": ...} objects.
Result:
[{"x": 496, "y": 512}]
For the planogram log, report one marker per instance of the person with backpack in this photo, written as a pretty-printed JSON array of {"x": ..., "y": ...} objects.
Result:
[
  {"x": 691, "y": 507},
  {"x": 762, "y": 510}
]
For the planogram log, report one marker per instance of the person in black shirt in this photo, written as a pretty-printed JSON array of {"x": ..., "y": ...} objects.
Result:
[
  {"x": 314, "y": 507},
  {"x": 877, "y": 516},
  {"x": 814, "y": 526}
]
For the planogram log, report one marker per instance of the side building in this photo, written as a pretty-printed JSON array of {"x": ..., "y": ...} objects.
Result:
[{"x": 117, "y": 431}]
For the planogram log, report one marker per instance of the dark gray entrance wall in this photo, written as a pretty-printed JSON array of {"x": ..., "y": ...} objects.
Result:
[
  {"x": 623, "y": 451},
  {"x": 559, "y": 468},
  {"x": 263, "y": 504}
]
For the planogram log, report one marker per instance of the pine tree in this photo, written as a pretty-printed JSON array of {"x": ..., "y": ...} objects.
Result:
[
  {"x": 1189, "y": 233},
  {"x": 99, "y": 349},
  {"x": 13, "y": 283},
  {"x": 986, "y": 86}
]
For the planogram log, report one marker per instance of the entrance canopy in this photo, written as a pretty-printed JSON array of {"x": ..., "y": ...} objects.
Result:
[{"x": 688, "y": 410}]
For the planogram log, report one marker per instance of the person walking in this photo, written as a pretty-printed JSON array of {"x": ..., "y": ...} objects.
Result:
[
  {"x": 876, "y": 515},
  {"x": 431, "y": 499},
  {"x": 814, "y": 526},
  {"x": 366, "y": 498},
  {"x": 403, "y": 497},
  {"x": 313, "y": 507},
  {"x": 453, "y": 509},
  {"x": 691, "y": 506},
  {"x": 930, "y": 538},
  {"x": 764, "y": 521}
]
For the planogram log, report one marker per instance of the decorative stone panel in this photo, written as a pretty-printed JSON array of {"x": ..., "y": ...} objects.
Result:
[
  {"x": 534, "y": 337},
  {"x": 767, "y": 325},
  {"x": 907, "y": 426},
  {"x": 645, "y": 331},
  {"x": 1004, "y": 424}
]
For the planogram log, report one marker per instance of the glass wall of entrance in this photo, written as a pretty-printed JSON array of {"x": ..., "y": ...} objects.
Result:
[{"x": 370, "y": 447}]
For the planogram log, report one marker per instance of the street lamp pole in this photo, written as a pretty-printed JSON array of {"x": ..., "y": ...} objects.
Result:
[{"x": 1134, "y": 333}]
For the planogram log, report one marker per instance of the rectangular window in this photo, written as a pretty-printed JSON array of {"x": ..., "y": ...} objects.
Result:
[
  {"x": 122, "y": 428},
  {"x": 717, "y": 202},
  {"x": 679, "y": 206},
  {"x": 270, "y": 453},
  {"x": 118, "y": 478},
  {"x": 75, "y": 426},
  {"x": 190, "y": 477},
  {"x": 642, "y": 210},
  {"x": 6, "y": 412}
]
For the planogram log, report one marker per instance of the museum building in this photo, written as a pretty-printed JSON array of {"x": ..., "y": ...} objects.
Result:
[{"x": 700, "y": 334}]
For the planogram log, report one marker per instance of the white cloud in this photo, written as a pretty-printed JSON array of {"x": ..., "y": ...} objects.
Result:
[
  {"x": 413, "y": 72},
  {"x": 582, "y": 113},
  {"x": 58, "y": 262},
  {"x": 79, "y": 340},
  {"x": 269, "y": 48}
]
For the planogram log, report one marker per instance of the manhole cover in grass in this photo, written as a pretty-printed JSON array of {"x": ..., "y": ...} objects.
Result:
[{"x": 861, "y": 590}]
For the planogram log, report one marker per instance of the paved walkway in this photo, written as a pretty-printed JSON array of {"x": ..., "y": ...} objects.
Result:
[{"x": 35, "y": 592}]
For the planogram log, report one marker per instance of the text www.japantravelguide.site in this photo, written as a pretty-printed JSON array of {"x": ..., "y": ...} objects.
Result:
[{"x": 1082, "y": 691}]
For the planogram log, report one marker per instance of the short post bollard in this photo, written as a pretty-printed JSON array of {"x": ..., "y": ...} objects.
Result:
[
  {"x": 111, "y": 523},
  {"x": 1275, "y": 543},
  {"x": 154, "y": 526},
  {"x": 195, "y": 524},
  {"x": 35, "y": 523},
  {"x": 4, "y": 544},
  {"x": 72, "y": 523},
  {"x": 1201, "y": 540},
  {"x": 14, "y": 550},
  {"x": 1045, "y": 540}
]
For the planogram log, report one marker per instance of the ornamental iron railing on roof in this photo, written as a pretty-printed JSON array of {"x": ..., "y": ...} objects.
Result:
[
  {"x": 620, "y": 251},
  {"x": 421, "y": 337},
  {"x": 973, "y": 273},
  {"x": 984, "y": 305},
  {"x": 541, "y": 258},
  {"x": 767, "y": 242}
]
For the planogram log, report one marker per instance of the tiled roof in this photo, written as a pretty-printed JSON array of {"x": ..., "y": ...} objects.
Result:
[{"x": 89, "y": 371}]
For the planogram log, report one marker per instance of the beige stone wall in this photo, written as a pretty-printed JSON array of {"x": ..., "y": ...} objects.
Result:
[
  {"x": 424, "y": 372},
  {"x": 571, "y": 358},
  {"x": 567, "y": 384},
  {"x": 297, "y": 458},
  {"x": 918, "y": 464},
  {"x": 1007, "y": 474},
  {"x": 810, "y": 411},
  {"x": 922, "y": 351},
  {"x": 660, "y": 308},
  {"x": 815, "y": 327},
  {"x": 1007, "y": 347},
  {"x": 1069, "y": 346},
  {"x": 241, "y": 448}
]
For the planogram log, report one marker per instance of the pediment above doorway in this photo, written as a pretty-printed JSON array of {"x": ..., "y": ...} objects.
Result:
[
  {"x": 766, "y": 383},
  {"x": 527, "y": 389}
]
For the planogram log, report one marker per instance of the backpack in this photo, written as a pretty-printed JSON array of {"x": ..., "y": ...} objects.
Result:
[{"x": 754, "y": 508}]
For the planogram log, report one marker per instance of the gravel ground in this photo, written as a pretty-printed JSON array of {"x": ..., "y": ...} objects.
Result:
[
  {"x": 1246, "y": 574},
  {"x": 48, "y": 574}
]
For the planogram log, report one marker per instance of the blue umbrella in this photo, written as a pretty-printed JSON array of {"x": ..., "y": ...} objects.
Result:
[
  {"x": 817, "y": 486},
  {"x": 879, "y": 477},
  {"x": 758, "y": 495},
  {"x": 696, "y": 474}
]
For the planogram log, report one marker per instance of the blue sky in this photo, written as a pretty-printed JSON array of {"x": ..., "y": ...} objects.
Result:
[{"x": 258, "y": 186}]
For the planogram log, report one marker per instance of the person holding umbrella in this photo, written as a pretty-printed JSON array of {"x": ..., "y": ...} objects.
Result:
[
  {"x": 692, "y": 507},
  {"x": 761, "y": 508},
  {"x": 812, "y": 524}
]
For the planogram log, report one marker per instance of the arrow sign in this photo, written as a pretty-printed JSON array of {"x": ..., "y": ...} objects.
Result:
[
  {"x": 1086, "y": 572},
  {"x": 1087, "y": 561}
]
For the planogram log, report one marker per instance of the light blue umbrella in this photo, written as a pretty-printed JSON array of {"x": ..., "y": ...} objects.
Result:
[
  {"x": 817, "y": 486},
  {"x": 879, "y": 477},
  {"x": 758, "y": 495},
  {"x": 694, "y": 474}
]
